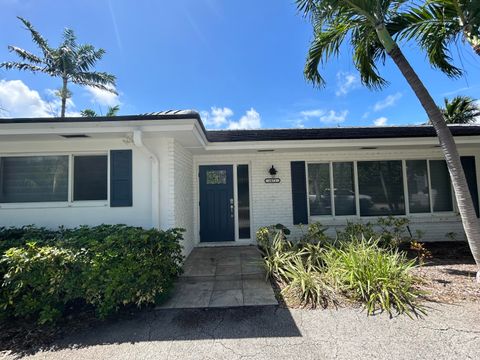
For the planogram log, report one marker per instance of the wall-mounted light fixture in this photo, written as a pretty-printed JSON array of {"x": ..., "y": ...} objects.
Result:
[{"x": 272, "y": 171}]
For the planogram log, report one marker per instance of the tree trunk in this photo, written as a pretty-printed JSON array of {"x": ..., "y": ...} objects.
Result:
[
  {"x": 64, "y": 95},
  {"x": 447, "y": 143}
]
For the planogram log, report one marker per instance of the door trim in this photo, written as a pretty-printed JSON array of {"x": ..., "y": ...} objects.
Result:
[{"x": 234, "y": 164}]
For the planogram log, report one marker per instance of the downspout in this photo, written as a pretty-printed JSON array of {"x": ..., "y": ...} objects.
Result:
[{"x": 138, "y": 142}]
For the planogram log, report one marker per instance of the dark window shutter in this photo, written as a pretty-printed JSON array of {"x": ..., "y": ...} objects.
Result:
[
  {"x": 468, "y": 164},
  {"x": 120, "y": 178},
  {"x": 299, "y": 193}
]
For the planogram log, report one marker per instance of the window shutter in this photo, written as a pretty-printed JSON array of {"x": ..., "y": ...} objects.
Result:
[
  {"x": 468, "y": 164},
  {"x": 299, "y": 192},
  {"x": 121, "y": 178}
]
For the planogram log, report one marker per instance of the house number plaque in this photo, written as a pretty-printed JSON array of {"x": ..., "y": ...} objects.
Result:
[{"x": 272, "y": 180}]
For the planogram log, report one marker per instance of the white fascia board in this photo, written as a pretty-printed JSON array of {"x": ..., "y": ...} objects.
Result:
[
  {"x": 306, "y": 144},
  {"x": 112, "y": 127}
]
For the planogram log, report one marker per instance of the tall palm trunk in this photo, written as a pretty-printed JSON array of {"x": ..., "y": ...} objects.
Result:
[
  {"x": 64, "y": 95},
  {"x": 464, "y": 200}
]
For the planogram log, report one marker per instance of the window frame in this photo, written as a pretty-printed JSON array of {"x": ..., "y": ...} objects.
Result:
[
  {"x": 357, "y": 190},
  {"x": 70, "y": 202}
]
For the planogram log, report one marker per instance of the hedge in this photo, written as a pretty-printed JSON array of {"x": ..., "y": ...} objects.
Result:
[{"x": 43, "y": 272}]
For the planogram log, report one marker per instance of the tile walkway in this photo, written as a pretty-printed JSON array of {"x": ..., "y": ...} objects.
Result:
[{"x": 222, "y": 277}]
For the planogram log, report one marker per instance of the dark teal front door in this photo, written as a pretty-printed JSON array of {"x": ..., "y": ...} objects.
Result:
[{"x": 217, "y": 221}]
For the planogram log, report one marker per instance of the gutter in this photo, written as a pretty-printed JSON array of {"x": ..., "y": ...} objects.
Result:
[{"x": 138, "y": 142}]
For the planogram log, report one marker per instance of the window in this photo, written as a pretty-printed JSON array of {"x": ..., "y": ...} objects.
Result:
[
  {"x": 380, "y": 186},
  {"x": 319, "y": 195},
  {"x": 320, "y": 189},
  {"x": 216, "y": 177},
  {"x": 243, "y": 193},
  {"x": 440, "y": 185},
  {"x": 90, "y": 177},
  {"x": 33, "y": 179},
  {"x": 343, "y": 181},
  {"x": 418, "y": 188}
]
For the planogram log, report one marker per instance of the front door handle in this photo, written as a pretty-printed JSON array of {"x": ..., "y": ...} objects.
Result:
[{"x": 231, "y": 208}]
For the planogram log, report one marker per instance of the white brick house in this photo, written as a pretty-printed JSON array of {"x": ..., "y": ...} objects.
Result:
[{"x": 165, "y": 170}]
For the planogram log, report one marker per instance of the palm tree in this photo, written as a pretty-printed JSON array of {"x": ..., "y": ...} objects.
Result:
[
  {"x": 364, "y": 24},
  {"x": 449, "y": 20},
  {"x": 112, "y": 111},
  {"x": 461, "y": 110},
  {"x": 70, "y": 61}
]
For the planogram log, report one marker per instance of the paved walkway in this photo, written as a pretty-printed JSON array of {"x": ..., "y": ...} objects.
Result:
[
  {"x": 222, "y": 277},
  {"x": 268, "y": 332}
]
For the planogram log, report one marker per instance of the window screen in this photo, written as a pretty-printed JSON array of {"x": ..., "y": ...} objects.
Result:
[
  {"x": 33, "y": 179},
  {"x": 441, "y": 188},
  {"x": 90, "y": 177},
  {"x": 343, "y": 184},
  {"x": 417, "y": 182},
  {"x": 319, "y": 194},
  {"x": 381, "y": 188}
]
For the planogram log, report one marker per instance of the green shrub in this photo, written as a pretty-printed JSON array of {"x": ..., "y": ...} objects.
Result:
[
  {"x": 317, "y": 273},
  {"x": 106, "y": 267},
  {"x": 307, "y": 281},
  {"x": 378, "y": 277},
  {"x": 355, "y": 230},
  {"x": 391, "y": 231},
  {"x": 266, "y": 235},
  {"x": 40, "y": 280},
  {"x": 315, "y": 234}
]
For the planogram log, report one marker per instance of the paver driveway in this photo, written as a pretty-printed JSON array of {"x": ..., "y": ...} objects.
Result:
[{"x": 269, "y": 332}]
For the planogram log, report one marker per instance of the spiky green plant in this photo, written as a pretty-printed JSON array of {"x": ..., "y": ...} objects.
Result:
[{"x": 378, "y": 277}]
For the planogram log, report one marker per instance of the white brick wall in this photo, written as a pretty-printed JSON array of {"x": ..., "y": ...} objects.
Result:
[
  {"x": 272, "y": 203},
  {"x": 182, "y": 191}
]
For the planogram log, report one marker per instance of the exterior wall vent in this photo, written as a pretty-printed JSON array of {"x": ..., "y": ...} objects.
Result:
[{"x": 75, "y": 136}]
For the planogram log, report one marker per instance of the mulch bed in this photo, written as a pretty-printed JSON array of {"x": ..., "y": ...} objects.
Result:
[{"x": 449, "y": 276}]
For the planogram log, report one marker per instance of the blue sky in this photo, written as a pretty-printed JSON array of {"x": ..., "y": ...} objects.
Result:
[{"x": 240, "y": 63}]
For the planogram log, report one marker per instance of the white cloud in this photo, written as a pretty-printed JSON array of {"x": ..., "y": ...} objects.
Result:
[
  {"x": 346, "y": 82},
  {"x": 251, "y": 120},
  {"x": 389, "y": 101},
  {"x": 381, "y": 121},
  {"x": 312, "y": 113},
  {"x": 216, "y": 117},
  {"x": 18, "y": 100},
  {"x": 332, "y": 117},
  {"x": 219, "y": 117},
  {"x": 102, "y": 97}
]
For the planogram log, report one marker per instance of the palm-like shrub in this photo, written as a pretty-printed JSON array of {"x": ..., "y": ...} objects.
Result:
[
  {"x": 378, "y": 277},
  {"x": 360, "y": 269}
]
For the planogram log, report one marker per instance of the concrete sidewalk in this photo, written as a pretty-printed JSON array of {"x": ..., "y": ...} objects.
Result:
[
  {"x": 222, "y": 277},
  {"x": 269, "y": 332}
]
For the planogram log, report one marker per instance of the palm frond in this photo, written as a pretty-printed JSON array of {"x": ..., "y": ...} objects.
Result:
[
  {"x": 101, "y": 80},
  {"x": 434, "y": 27},
  {"x": 113, "y": 110},
  {"x": 326, "y": 44},
  {"x": 87, "y": 57},
  {"x": 461, "y": 110},
  {"x": 367, "y": 52},
  {"x": 25, "y": 55},
  {"x": 37, "y": 38},
  {"x": 21, "y": 66}
]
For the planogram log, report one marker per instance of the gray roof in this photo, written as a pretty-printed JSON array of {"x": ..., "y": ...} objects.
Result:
[{"x": 378, "y": 132}]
